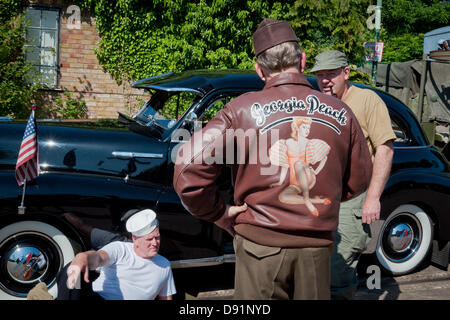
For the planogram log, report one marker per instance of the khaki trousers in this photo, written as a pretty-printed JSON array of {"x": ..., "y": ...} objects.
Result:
[
  {"x": 264, "y": 272},
  {"x": 351, "y": 239}
]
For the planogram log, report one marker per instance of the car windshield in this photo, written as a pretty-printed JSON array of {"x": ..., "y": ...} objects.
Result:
[{"x": 165, "y": 108}]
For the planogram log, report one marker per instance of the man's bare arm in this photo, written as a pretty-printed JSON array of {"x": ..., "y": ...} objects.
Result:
[
  {"x": 380, "y": 175},
  {"x": 83, "y": 262}
]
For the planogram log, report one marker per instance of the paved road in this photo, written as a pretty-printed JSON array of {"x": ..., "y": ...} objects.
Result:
[{"x": 430, "y": 283}]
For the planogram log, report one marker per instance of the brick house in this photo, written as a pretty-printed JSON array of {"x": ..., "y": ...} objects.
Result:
[{"x": 63, "y": 40}]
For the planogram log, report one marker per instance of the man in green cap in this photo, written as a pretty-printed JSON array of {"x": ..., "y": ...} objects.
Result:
[{"x": 352, "y": 234}]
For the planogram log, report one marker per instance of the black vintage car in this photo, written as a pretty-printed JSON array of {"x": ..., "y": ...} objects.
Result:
[{"x": 99, "y": 170}]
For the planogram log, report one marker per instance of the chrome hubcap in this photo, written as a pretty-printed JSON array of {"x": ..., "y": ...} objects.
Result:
[
  {"x": 26, "y": 264},
  {"x": 401, "y": 238},
  {"x": 26, "y": 259}
]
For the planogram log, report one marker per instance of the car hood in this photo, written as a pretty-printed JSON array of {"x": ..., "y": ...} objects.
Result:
[{"x": 85, "y": 147}]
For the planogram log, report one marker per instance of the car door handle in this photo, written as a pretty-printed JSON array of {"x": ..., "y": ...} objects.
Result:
[{"x": 131, "y": 155}]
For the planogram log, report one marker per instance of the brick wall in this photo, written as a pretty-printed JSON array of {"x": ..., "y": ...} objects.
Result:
[{"x": 82, "y": 75}]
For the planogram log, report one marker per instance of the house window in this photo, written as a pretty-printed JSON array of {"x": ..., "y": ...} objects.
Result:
[{"x": 42, "y": 49}]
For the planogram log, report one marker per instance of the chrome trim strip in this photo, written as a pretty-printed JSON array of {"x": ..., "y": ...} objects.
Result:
[
  {"x": 131, "y": 155},
  {"x": 413, "y": 147},
  {"x": 203, "y": 262}
]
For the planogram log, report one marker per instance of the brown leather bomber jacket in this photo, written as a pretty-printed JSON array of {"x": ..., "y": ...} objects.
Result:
[{"x": 295, "y": 154}]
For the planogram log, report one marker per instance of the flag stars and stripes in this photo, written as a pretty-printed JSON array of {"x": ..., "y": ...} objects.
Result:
[{"x": 27, "y": 166}]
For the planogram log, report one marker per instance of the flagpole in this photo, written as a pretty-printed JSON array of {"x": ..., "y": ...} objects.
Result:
[{"x": 21, "y": 207}]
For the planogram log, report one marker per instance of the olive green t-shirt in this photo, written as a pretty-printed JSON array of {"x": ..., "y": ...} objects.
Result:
[{"x": 372, "y": 115}]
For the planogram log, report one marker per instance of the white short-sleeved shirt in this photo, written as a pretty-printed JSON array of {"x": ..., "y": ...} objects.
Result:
[{"x": 130, "y": 277}]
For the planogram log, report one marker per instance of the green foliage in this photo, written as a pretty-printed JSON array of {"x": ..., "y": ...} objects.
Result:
[
  {"x": 360, "y": 77},
  {"x": 404, "y": 24},
  {"x": 177, "y": 104},
  {"x": 404, "y": 47},
  {"x": 66, "y": 107},
  {"x": 141, "y": 39},
  {"x": 15, "y": 93},
  {"x": 331, "y": 24},
  {"x": 341, "y": 25},
  {"x": 401, "y": 17}
]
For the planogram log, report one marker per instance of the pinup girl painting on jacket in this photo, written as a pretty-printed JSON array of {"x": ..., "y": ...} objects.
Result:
[{"x": 299, "y": 154}]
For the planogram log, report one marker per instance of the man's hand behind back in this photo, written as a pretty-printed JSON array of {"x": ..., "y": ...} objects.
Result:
[{"x": 226, "y": 221}]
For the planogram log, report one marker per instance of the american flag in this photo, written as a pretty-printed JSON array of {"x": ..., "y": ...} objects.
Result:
[{"x": 27, "y": 166}]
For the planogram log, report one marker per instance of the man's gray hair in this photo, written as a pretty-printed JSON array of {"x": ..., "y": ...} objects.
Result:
[{"x": 280, "y": 57}]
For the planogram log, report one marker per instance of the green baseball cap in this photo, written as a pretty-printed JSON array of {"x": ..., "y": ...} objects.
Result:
[{"x": 330, "y": 60}]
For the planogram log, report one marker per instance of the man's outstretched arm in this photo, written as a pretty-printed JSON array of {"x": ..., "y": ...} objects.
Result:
[
  {"x": 380, "y": 175},
  {"x": 83, "y": 262}
]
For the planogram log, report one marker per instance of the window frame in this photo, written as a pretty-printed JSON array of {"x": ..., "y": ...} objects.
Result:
[{"x": 57, "y": 66}]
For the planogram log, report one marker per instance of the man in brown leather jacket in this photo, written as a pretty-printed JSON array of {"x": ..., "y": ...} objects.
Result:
[{"x": 282, "y": 224}]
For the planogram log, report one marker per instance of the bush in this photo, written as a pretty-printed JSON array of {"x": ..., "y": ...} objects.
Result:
[
  {"x": 405, "y": 47},
  {"x": 16, "y": 95},
  {"x": 66, "y": 107}
]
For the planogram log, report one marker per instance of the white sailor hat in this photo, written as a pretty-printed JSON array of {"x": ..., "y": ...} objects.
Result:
[{"x": 142, "y": 222}]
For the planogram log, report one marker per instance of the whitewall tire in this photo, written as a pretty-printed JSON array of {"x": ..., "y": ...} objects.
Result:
[
  {"x": 31, "y": 252},
  {"x": 404, "y": 240}
]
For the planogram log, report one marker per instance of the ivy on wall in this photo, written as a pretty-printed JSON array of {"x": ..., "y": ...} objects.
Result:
[{"x": 145, "y": 38}]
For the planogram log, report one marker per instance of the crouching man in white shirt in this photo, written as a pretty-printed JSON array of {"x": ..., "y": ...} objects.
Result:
[{"x": 128, "y": 271}]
